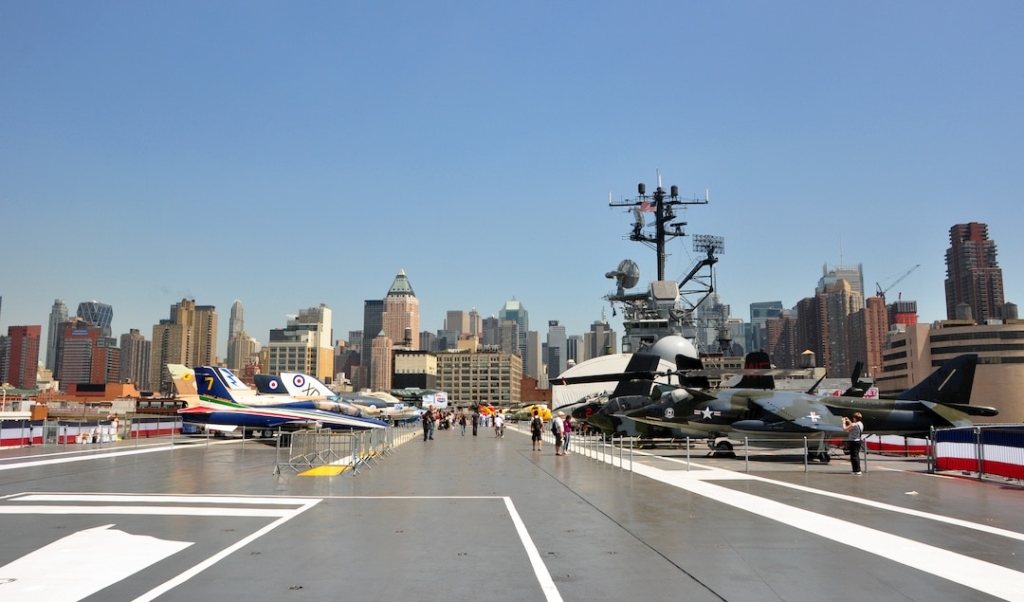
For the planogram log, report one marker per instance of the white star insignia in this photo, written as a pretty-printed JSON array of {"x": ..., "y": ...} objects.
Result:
[{"x": 706, "y": 413}]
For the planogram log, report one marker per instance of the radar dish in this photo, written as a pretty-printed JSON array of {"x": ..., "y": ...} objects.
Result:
[
  {"x": 630, "y": 273},
  {"x": 627, "y": 275}
]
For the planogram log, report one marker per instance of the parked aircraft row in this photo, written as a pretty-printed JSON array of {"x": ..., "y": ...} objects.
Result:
[
  {"x": 216, "y": 398},
  {"x": 639, "y": 406}
]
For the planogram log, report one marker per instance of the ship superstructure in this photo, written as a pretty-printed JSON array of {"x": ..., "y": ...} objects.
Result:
[{"x": 667, "y": 307}]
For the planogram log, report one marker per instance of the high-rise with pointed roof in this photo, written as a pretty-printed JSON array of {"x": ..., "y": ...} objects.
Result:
[
  {"x": 401, "y": 317},
  {"x": 58, "y": 314}
]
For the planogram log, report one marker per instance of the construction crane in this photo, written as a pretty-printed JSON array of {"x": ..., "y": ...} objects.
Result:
[{"x": 878, "y": 287}]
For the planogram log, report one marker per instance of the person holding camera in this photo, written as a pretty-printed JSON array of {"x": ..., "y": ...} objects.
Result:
[{"x": 856, "y": 429}]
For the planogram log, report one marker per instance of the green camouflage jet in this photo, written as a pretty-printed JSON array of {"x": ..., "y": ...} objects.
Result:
[{"x": 783, "y": 418}]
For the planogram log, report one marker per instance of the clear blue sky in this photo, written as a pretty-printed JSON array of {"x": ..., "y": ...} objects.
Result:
[{"x": 292, "y": 154}]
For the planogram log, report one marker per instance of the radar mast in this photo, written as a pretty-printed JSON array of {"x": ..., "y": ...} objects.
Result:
[{"x": 667, "y": 307}]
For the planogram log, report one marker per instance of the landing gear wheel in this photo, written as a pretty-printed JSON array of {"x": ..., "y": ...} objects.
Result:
[{"x": 723, "y": 449}]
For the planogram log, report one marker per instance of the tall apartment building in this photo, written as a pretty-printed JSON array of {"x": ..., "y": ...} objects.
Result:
[
  {"x": 373, "y": 323},
  {"x": 812, "y": 328},
  {"x": 600, "y": 340},
  {"x": 136, "y": 353},
  {"x": 188, "y": 336},
  {"x": 242, "y": 350},
  {"x": 476, "y": 324},
  {"x": 58, "y": 315},
  {"x": 508, "y": 337},
  {"x": 381, "y": 350},
  {"x": 304, "y": 345},
  {"x": 852, "y": 274},
  {"x": 490, "y": 327},
  {"x": 557, "y": 349},
  {"x": 487, "y": 377},
  {"x": 236, "y": 320},
  {"x": 401, "y": 318},
  {"x": 760, "y": 311},
  {"x": 533, "y": 361},
  {"x": 514, "y": 310},
  {"x": 20, "y": 356},
  {"x": 85, "y": 356},
  {"x": 781, "y": 340},
  {"x": 973, "y": 276},
  {"x": 458, "y": 321},
  {"x": 867, "y": 329},
  {"x": 840, "y": 301}
]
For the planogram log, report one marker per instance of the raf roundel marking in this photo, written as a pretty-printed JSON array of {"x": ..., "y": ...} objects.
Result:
[
  {"x": 273, "y": 385},
  {"x": 298, "y": 381},
  {"x": 669, "y": 413}
]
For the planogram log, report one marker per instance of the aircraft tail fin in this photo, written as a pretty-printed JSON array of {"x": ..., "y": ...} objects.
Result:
[
  {"x": 950, "y": 384},
  {"x": 268, "y": 384},
  {"x": 305, "y": 386},
  {"x": 685, "y": 364},
  {"x": 644, "y": 363},
  {"x": 218, "y": 382},
  {"x": 757, "y": 360},
  {"x": 184, "y": 380}
]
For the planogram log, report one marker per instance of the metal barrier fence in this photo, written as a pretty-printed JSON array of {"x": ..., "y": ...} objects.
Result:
[
  {"x": 308, "y": 449},
  {"x": 618, "y": 451},
  {"x": 996, "y": 450}
]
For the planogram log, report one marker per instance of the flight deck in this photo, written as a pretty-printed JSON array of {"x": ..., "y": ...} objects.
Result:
[{"x": 486, "y": 518}]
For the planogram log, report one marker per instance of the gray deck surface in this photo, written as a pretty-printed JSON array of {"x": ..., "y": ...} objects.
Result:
[{"x": 480, "y": 518}]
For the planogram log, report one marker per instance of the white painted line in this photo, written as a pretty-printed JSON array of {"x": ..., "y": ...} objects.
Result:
[
  {"x": 722, "y": 474},
  {"x": 202, "y": 566},
  {"x": 547, "y": 584},
  {"x": 64, "y": 459},
  {"x": 146, "y": 511},
  {"x": 163, "y": 499}
]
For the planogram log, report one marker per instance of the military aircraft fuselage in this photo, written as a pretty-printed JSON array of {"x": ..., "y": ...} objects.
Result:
[{"x": 783, "y": 413}]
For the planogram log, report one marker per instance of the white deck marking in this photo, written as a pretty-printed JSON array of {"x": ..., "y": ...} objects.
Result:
[
  {"x": 970, "y": 572},
  {"x": 202, "y": 566},
  {"x": 547, "y": 584},
  {"x": 89, "y": 561},
  {"x": 722, "y": 474}
]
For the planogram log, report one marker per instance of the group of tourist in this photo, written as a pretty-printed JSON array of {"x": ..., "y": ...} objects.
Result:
[{"x": 561, "y": 426}]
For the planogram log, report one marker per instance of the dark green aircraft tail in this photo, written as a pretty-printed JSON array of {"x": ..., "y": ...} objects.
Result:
[{"x": 951, "y": 384}]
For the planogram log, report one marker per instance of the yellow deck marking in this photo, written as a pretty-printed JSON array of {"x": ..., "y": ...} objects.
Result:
[{"x": 324, "y": 471}]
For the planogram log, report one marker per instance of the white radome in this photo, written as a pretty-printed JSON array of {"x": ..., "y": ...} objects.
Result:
[{"x": 672, "y": 345}]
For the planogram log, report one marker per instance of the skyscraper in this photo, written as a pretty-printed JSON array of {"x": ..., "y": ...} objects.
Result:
[
  {"x": 22, "y": 350},
  {"x": 458, "y": 321},
  {"x": 373, "y": 322},
  {"x": 557, "y": 349},
  {"x": 401, "y": 318},
  {"x": 514, "y": 310},
  {"x": 136, "y": 353},
  {"x": 304, "y": 345},
  {"x": 98, "y": 314},
  {"x": 973, "y": 276},
  {"x": 240, "y": 344},
  {"x": 58, "y": 315},
  {"x": 188, "y": 337},
  {"x": 840, "y": 301}
]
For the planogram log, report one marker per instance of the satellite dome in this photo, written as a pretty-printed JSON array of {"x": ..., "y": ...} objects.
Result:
[{"x": 672, "y": 345}]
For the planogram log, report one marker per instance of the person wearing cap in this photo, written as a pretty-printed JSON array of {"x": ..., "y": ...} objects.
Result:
[{"x": 558, "y": 428}]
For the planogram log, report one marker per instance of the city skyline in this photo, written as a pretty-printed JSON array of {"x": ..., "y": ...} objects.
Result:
[{"x": 477, "y": 148}]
